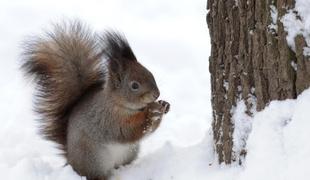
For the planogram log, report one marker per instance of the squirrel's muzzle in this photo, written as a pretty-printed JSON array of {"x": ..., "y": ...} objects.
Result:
[{"x": 151, "y": 96}]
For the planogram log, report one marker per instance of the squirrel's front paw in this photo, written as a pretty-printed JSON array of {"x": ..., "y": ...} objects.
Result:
[
  {"x": 157, "y": 109},
  {"x": 165, "y": 105},
  {"x": 154, "y": 114}
]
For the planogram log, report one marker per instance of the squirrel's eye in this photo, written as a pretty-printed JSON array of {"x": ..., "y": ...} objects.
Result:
[{"x": 134, "y": 85}]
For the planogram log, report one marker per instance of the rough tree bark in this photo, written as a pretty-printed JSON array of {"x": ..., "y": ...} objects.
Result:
[{"x": 250, "y": 59}]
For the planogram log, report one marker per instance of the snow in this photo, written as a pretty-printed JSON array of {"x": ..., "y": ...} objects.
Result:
[
  {"x": 274, "y": 18},
  {"x": 297, "y": 22},
  {"x": 294, "y": 65},
  {"x": 278, "y": 147},
  {"x": 242, "y": 128},
  {"x": 172, "y": 163},
  {"x": 171, "y": 39}
]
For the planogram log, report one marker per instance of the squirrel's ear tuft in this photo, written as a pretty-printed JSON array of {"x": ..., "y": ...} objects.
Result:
[
  {"x": 117, "y": 48},
  {"x": 118, "y": 54}
]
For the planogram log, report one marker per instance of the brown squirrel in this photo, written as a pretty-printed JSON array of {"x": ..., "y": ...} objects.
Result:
[{"x": 93, "y": 97}]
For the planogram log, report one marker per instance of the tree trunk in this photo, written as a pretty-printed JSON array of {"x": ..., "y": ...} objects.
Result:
[{"x": 250, "y": 59}]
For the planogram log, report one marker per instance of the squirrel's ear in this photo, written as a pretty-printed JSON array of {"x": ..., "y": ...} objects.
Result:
[{"x": 115, "y": 70}]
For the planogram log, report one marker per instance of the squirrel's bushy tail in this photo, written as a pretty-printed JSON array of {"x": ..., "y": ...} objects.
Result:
[{"x": 65, "y": 64}]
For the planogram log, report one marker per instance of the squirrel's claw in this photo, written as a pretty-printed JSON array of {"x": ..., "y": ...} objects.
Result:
[{"x": 166, "y": 105}]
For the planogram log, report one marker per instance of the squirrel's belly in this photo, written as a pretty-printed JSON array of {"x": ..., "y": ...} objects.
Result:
[{"x": 115, "y": 155}]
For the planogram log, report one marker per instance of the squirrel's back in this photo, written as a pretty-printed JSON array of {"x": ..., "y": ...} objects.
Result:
[{"x": 66, "y": 63}]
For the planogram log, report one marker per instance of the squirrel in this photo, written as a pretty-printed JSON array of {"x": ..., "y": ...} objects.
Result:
[{"x": 94, "y": 99}]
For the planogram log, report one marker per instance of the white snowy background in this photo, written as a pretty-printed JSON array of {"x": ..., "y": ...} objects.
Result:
[{"x": 171, "y": 39}]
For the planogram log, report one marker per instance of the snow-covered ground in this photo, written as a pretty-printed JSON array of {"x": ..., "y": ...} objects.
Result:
[{"x": 171, "y": 39}]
